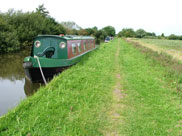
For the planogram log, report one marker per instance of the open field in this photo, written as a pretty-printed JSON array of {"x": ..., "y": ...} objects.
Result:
[
  {"x": 165, "y": 44},
  {"x": 119, "y": 89},
  {"x": 171, "y": 47}
]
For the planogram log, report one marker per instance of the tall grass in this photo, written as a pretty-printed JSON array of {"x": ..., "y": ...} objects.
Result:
[
  {"x": 163, "y": 43},
  {"x": 74, "y": 103}
]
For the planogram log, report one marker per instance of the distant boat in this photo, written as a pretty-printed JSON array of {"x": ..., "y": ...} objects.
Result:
[
  {"x": 51, "y": 54},
  {"x": 107, "y": 39}
]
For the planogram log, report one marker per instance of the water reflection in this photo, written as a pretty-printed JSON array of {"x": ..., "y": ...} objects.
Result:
[
  {"x": 11, "y": 66},
  {"x": 13, "y": 85},
  {"x": 11, "y": 93},
  {"x": 30, "y": 88}
]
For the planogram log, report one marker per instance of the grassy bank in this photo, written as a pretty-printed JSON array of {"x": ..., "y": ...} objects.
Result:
[
  {"x": 119, "y": 89},
  {"x": 152, "y": 102},
  {"x": 74, "y": 103}
]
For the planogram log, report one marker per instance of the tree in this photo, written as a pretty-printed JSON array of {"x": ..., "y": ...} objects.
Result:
[
  {"x": 173, "y": 37},
  {"x": 8, "y": 37},
  {"x": 42, "y": 10},
  {"x": 90, "y": 31},
  {"x": 180, "y": 37},
  {"x": 127, "y": 32},
  {"x": 109, "y": 30},
  {"x": 162, "y": 35},
  {"x": 17, "y": 29},
  {"x": 82, "y": 32},
  {"x": 140, "y": 33}
]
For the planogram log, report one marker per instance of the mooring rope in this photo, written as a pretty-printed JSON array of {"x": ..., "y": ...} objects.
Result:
[{"x": 43, "y": 77}]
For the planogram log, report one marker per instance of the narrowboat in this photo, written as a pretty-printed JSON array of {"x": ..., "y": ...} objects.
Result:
[{"x": 51, "y": 54}]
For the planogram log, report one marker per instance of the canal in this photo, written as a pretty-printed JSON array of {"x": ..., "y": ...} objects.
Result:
[{"x": 13, "y": 85}]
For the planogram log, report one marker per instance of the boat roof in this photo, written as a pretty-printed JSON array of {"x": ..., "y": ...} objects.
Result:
[{"x": 69, "y": 37}]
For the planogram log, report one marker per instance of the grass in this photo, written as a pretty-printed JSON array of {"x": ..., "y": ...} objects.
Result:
[
  {"x": 74, "y": 103},
  {"x": 119, "y": 89},
  {"x": 170, "y": 47},
  {"x": 152, "y": 106},
  {"x": 163, "y": 43}
]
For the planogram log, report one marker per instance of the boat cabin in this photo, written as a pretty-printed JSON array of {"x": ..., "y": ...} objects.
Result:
[
  {"x": 61, "y": 47},
  {"x": 51, "y": 54}
]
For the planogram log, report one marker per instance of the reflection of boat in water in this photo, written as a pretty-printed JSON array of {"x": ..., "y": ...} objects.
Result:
[
  {"x": 51, "y": 54},
  {"x": 30, "y": 88}
]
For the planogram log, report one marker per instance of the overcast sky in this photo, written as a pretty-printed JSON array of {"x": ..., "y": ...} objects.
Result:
[{"x": 159, "y": 16}]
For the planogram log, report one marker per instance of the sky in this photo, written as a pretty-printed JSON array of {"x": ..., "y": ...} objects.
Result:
[{"x": 159, "y": 16}]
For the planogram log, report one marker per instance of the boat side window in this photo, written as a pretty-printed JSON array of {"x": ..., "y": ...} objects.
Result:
[
  {"x": 74, "y": 48},
  {"x": 84, "y": 45},
  {"x": 79, "y": 47},
  {"x": 92, "y": 43},
  {"x": 89, "y": 44}
]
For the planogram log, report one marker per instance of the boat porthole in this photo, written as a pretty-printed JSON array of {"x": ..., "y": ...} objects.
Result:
[
  {"x": 37, "y": 44},
  {"x": 62, "y": 45}
]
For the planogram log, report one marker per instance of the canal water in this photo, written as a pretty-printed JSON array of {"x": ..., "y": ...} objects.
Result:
[{"x": 13, "y": 85}]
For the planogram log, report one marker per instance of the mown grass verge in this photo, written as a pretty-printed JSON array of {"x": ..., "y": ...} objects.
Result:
[
  {"x": 74, "y": 103},
  {"x": 152, "y": 106}
]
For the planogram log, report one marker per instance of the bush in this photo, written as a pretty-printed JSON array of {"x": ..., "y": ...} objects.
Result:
[
  {"x": 127, "y": 32},
  {"x": 18, "y": 29},
  {"x": 173, "y": 37}
]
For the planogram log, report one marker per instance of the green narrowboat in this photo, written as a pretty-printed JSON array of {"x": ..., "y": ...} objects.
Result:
[{"x": 51, "y": 54}]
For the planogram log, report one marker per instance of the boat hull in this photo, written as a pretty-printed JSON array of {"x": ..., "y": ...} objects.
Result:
[
  {"x": 50, "y": 67},
  {"x": 34, "y": 74}
]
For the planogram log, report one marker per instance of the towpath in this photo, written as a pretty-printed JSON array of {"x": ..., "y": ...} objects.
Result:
[{"x": 115, "y": 111}]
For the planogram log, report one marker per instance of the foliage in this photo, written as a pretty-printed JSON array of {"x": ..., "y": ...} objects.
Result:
[
  {"x": 173, "y": 37},
  {"x": 162, "y": 35},
  {"x": 150, "y": 34},
  {"x": 109, "y": 31},
  {"x": 127, "y": 32},
  {"x": 82, "y": 32},
  {"x": 90, "y": 31},
  {"x": 100, "y": 35},
  {"x": 8, "y": 36},
  {"x": 42, "y": 10},
  {"x": 17, "y": 29},
  {"x": 140, "y": 33}
]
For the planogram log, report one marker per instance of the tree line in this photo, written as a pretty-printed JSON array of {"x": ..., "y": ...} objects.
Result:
[
  {"x": 141, "y": 33},
  {"x": 17, "y": 29}
]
